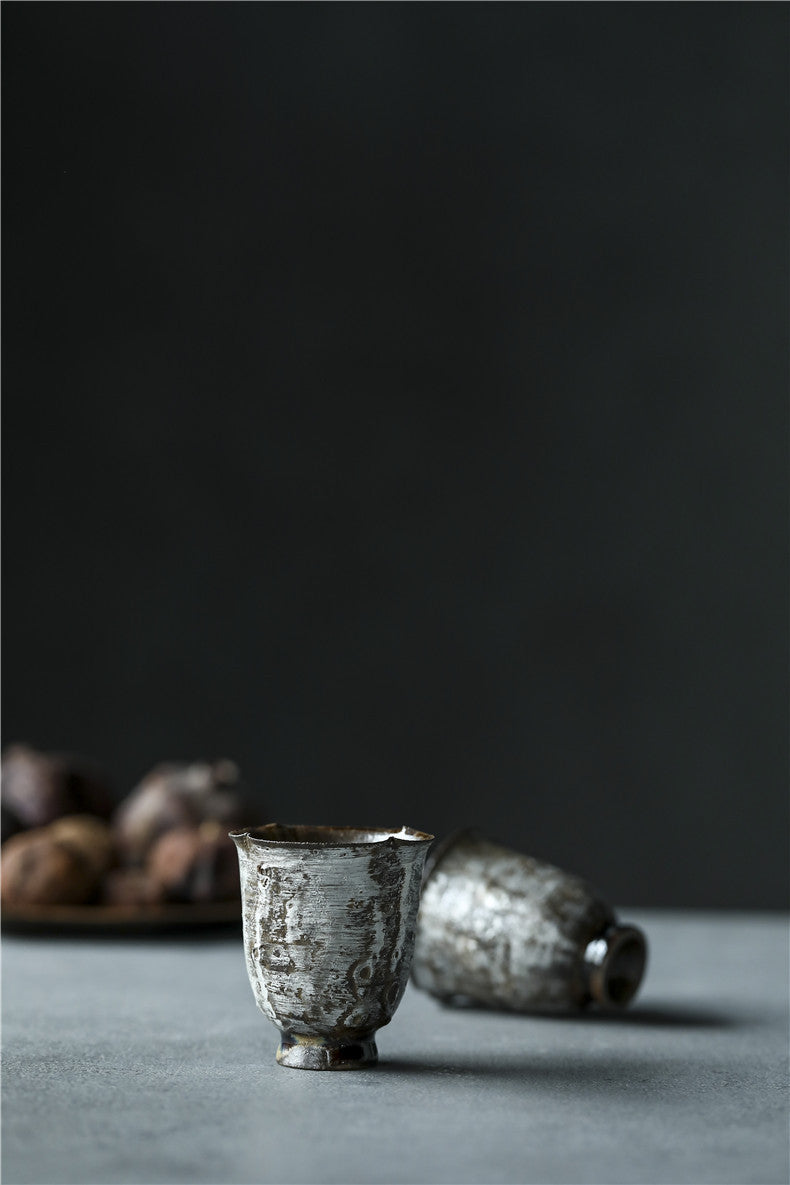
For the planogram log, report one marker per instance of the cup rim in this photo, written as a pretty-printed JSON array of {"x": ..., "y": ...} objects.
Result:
[{"x": 322, "y": 835}]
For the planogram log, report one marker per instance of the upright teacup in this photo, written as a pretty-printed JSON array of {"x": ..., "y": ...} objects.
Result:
[{"x": 329, "y": 925}]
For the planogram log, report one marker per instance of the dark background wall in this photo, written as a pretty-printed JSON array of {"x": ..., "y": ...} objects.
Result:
[{"x": 395, "y": 401}]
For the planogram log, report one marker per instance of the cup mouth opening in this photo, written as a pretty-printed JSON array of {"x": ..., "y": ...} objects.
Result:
[
  {"x": 305, "y": 835},
  {"x": 625, "y": 969},
  {"x": 617, "y": 963}
]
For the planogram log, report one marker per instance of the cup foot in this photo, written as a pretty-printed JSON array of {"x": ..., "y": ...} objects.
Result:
[{"x": 318, "y": 1053}]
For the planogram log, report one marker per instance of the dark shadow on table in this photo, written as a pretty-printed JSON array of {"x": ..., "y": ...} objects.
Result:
[
  {"x": 584, "y": 1073},
  {"x": 652, "y": 1016}
]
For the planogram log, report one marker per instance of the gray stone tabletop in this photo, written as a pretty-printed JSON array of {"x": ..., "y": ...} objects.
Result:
[{"x": 131, "y": 1061}]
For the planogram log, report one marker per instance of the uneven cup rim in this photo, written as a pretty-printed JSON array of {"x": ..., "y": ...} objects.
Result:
[{"x": 322, "y": 835}]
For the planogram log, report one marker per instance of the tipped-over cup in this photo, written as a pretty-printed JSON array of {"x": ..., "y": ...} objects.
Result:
[
  {"x": 329, "y": 926},
  {"x": 500, "y": 929}
]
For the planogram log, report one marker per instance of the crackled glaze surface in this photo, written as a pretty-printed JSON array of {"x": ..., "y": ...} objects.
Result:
[
  {"x": 329, "y": 928},
  {"x": 502, "y": 929}
]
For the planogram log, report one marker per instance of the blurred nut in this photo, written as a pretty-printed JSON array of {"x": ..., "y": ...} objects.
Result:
[
  {"x": 196, "y": 863},
  {"x": 175, "y": 796},
  {"x": 91, "y": 837},
  {"x": 131, "y": 886},
  {"x": 38, "y": 870},
  {"x": 38, "y": 788}
]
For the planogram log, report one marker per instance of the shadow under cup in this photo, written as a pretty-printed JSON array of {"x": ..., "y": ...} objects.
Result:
[{"x": 329, "y": 928}]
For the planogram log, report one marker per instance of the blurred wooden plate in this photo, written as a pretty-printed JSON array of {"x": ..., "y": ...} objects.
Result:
[{"x": 119, "y": 919}]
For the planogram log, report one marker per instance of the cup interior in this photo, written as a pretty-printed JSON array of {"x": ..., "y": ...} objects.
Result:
[
  {"x": 297, "y": 834},
  {"x": 625, "y": 967}
]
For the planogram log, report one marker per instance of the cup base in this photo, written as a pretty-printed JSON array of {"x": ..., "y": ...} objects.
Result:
[{"x": 318, "y": 1053}]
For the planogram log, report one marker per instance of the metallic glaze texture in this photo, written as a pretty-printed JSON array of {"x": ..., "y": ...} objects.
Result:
[
  {"x": 329, "y": 927},
  {"x": 503, "y": 930}
]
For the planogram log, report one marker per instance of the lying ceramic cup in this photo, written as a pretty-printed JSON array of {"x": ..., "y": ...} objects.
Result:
[
  {"x": 500, "y": 929},
  {"x": 329, "y": 924}
]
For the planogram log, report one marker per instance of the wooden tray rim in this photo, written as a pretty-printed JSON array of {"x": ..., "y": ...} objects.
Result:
[{"x": 120, "y": 918}]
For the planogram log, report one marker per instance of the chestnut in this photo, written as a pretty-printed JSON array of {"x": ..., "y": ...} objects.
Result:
[
  {"x": 38, "y": 788},
  {"x": 39, "y": 870},
  {"x": 196, "y": 864},
  {"x": 134, "y": 887},
  {"x": 177, "y": 795}
]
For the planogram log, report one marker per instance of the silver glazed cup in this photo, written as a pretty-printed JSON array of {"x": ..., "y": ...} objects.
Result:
[
  {"x": 500, "y": 929},
  {"x": 329, "y": 924}
]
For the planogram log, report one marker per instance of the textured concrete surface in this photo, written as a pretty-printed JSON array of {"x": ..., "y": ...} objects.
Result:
[{"x": 129, "y": 1061}]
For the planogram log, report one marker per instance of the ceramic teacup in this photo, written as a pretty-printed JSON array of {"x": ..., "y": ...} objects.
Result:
[
  {"x": 501, "y": 929},
  {"x": 329, "y": 925}
]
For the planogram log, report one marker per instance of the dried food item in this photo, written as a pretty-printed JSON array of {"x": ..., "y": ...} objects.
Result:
[
  {"x": 72, "y": 854},
  {"x": 133, "y": 887},
  {"x": 37, "y": 869},
  {"x": 177, "y": 795},
  {"x": 38, "y": 788},
  {"x": 196, "y": 863},
  {"x": 91, "y": 837}
]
